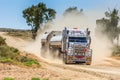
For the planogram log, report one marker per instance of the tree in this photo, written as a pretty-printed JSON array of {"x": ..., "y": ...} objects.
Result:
[
  {"x": 112, "y": 29},
  {"x": 73, "y": 10},
  {"x": 36, "y": 15},
  {"x": 109, "y": 25}
]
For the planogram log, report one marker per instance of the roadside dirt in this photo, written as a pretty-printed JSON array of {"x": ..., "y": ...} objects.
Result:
[{"x": 109, "y": 69}]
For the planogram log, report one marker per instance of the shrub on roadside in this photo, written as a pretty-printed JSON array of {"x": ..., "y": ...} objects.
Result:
[
  {"x": 7, "y": 78},
  {"x": 31, "y": 62},
  {"x": 21, "y": 58},
  {"x": 12, "y": 55},
  {"x": 2, "y": 41},
  {"x": 45, "y": 79},
  {"x": 116, "y": 51},
  {"x": 6, "y": 60},
  {"x": 39, "y": 79},
  {"x": 8, "y": 52},
  {"x": 35, "y": 79}
]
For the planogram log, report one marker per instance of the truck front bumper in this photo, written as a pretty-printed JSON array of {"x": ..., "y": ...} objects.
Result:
[{"x": 72, "y": 58}]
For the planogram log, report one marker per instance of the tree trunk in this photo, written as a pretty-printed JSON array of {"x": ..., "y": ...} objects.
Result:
[{"x": 118, "y": 40}]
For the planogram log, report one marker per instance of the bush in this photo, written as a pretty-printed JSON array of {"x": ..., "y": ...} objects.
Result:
[
  {"x": 6, "y": 60},
  {"x": 14, "y": 50},
  {"x": 45, "y": 79},
  {"x": 12, "y": 55},
  {"x": 39, "y": 79},
  {"x": 116, "y": 51},
  {"x": 8, "y": 52},
  {"x": 31, "y": 62},
  {"x": 2, "y": 41},
  {"x": 21, "y": 58},
  {"x": 35, "y": 79},
  {"x": 7, "y": 78}
]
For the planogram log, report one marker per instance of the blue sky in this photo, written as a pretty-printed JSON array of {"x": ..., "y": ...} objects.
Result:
[{"x": 11, "y": 10}]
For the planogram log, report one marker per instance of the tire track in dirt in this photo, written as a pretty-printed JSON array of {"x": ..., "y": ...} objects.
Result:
[{"x": 93, "y": 72}]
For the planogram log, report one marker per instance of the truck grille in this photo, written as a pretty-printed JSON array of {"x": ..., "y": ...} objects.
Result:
[{"x": 79, "y": 49}]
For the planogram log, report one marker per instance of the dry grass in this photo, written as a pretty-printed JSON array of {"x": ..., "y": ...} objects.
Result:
[
  {"x": 27, "y": 35},
  {"x": 11, "y": 55}
]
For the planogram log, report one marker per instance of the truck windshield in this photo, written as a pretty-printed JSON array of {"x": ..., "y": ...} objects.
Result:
[{"x": 77, "y": 39}]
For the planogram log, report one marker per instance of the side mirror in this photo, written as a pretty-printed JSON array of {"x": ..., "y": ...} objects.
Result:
[
  {"x": 45, "y": 32},
  {"x": 88, "y": 33}
]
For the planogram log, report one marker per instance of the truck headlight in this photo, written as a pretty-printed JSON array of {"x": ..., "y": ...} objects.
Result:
[
  {"x": 71, "y": 45},
  {"x": 88, "y": 53},
  {"x": 70, "y": 51}
]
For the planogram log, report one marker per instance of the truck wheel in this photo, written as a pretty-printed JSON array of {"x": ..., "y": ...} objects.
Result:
[
  {"x": 43, "y": 51},
  {"x": 53, "y": 52},
  {"x": 65, "y": 59},
  {"x": 88, "y": 63}
]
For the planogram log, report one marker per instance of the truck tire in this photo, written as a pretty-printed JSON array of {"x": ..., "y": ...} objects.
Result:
[
  {"x": 43, "y": 50},
  {"x": 53, "y": 52},
  {"x": 65, "y": 58},
  {"x": 88, "y": 63}
]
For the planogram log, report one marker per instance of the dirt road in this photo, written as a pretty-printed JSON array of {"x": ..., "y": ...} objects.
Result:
[{"x": 109, "y": 69}]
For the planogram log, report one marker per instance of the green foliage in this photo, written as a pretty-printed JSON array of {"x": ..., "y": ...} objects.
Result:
[
  {"x": 73, "y": 11},
  {"x": 31, "y": 62},
  {"x": 22, "y": 58},
  {"x": 35, "y": 79},
  {"x": 116, "y": 51},
  {"x": 37, "y": 15},
  {"x": 7, "y": 78},
  {"x": 8, "y": 52},
  {"x": 45, "y": 79},
  {"x": 109, "y": 25},
  {"x": 39, "y": 79},
  {"x": 6, "y": 60},
  {"x": 12, "y": 55},
  {"x": 2, "y": 41},
  {"x": 112, "y": 30},
  {"x": 113, "y": 17}
]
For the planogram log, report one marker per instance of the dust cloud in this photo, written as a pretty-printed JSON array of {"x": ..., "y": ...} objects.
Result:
[
  {"x": 34, "y": 47},
  {"x": 100, "y": 45}
]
